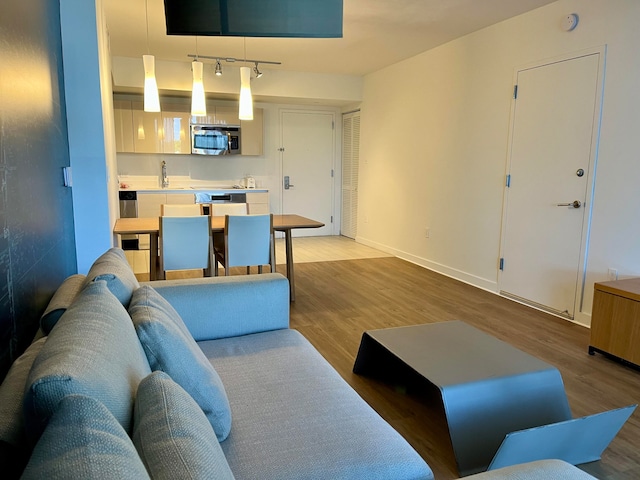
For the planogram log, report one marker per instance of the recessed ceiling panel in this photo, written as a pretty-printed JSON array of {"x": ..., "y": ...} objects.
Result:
[{"x": 255, "y": 18}]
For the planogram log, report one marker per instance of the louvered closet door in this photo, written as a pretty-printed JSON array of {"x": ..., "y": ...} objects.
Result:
[{"x": 350, "y": 165}]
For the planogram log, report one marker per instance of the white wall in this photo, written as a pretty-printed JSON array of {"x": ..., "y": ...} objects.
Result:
[
  {"x": 434, "y": 142},
  {"x": 87, "y": 84}
]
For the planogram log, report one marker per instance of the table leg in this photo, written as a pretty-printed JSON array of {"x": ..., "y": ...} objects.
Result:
[
  {"x": 289, "y": 254},
  {"x": 153, "y": 256}
]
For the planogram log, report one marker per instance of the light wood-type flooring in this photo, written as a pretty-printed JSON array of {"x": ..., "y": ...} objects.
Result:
[{"x": 343, "y": 289}]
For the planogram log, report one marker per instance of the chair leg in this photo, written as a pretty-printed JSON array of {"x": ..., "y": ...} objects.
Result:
[
  {"x": 259, "y": 268},
  {"x": 248, "y": 270}
]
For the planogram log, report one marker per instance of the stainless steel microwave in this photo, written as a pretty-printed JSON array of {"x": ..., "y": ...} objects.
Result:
[{"x": 215, "y": 139}]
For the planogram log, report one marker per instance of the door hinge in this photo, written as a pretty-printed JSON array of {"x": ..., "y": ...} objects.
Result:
[
  {"x": 515, "y": 92},
  {"x": 332, "y": 173},
  {"x": 502, "y": 263},
  {"x": 331, "y": 218},
  {"x": 508, "y": 181},
  {"x": 333, "y": 125}
]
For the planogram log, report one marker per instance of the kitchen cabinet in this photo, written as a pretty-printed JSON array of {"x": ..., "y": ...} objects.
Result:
[
  {"x": 257, "y": 203},
  {"x": 252, "y": 134},
  {"x": 147, "y": 129},
  {"x": 219, "y": 115},
  {"x": 175, "y": 129},
  {"x": 123, "y": 117},
  {"x": 168, "y": 131},
  {"x": 615, "y": 320}
]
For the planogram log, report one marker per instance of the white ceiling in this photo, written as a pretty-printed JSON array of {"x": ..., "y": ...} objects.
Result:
[{"x": 376, "y": 33}]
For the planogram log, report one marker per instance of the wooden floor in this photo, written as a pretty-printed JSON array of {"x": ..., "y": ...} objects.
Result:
[{"x": 336, "y": 301}]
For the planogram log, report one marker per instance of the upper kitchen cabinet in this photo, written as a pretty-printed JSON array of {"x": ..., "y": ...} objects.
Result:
[
  {"x": 123, "y": 125},
  {"x": 168, "y": 131},
  {"x": 175, "y": 129},
  {"x": 218, "y": 115},
  {"x": 252, "y": 136}
]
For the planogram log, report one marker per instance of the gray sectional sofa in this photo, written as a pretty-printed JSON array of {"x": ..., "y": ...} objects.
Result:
[{"x": 191, "y": 379}]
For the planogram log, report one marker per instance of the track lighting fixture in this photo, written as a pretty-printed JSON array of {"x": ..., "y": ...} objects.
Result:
[
  {"x": 218, "y": 67},
  {"x": 256, "y": 71}
]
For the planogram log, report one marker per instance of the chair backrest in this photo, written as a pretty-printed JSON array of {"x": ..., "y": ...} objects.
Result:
[
  {"x": 185, "y": 242},
  {"x": 221, "y": 209},
  {"x": 249, "y": 240},
  {"x": 179, "y": 210}
]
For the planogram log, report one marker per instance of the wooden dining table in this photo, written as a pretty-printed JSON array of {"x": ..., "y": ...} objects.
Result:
[{"x": 281, "y": 223}]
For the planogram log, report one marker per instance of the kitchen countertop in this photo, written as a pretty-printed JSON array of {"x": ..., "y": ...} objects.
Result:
[{"x": 170, "y": 189}]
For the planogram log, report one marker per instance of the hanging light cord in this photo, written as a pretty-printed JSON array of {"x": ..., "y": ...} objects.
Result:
[{"x": 146, "y": 13}]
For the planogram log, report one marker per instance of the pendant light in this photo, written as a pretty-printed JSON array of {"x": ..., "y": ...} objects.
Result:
[
  {"x": 198, "y": 103},
  {"x": 246, "y": 100},
  {"x": 151, "y": 97}
]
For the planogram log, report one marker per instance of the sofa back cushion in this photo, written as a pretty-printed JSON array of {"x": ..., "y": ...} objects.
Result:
[
  {"x": 94, "y": 351},
  {"x": 112, "y": 267},
  {"x": 170, "y": 348},
  {"x": 172, "y": 434},
  {"x": 84, "y": 440}
]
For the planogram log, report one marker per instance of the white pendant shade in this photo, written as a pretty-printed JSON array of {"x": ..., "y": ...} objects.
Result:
[
  {"x": 246, "y": 101},
  {"x": 151, "y": 97},
  {"x": 198, "y": 104}
]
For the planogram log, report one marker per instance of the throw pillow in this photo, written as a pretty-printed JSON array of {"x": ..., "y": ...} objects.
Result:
[
  {"x": 94, "y": 351},
  {"x": 112, "y": 266},
  {"x": 61, "y": 300},
  {"x": 84, "y": 440},
  {"x": 171, "y": 348},
  {"x": 172, "y": 434}
]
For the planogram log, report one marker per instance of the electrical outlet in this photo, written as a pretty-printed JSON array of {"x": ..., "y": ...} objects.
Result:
[
  {"x": 612, "y": 274},
  {"x": 427, "y": 232}
]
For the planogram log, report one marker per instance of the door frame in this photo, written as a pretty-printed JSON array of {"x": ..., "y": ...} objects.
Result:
[
  {"x": 336, "y": 161},
  {"x": 578, "y": 317}
]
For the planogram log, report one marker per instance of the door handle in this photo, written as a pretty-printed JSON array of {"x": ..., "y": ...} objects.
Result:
[
  {"x": 574, "y": 204},
  {"x": 287, "y": 185}
]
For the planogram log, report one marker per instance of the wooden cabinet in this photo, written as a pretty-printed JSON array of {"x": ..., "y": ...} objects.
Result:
[
  {"x": 615, "y": 320},
  {"x": 257, "y": 203}
]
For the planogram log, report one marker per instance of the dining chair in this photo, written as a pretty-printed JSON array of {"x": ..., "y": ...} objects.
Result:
[
  {"x": 219, "y": 210},
  {"x": 180, "y": 210},
  {"x": 248, "y": 241},
  {"x": 185, "y": 244}
]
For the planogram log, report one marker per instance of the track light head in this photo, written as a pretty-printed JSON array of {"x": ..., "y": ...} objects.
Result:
[
  {"x": 256, "y": 71},
  {"x": 218, "y": 68}
]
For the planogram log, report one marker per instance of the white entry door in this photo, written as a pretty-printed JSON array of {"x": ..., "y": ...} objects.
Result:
[
  {"x": 554, "y": 136},
  {"x": 308, "y": 146}
]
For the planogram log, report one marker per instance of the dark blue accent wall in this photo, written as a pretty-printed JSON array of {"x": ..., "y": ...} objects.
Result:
[{"x": 37, "y": 246}]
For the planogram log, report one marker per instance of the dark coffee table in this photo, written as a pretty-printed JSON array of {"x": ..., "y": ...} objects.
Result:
[{"x": 488, "y": 387}]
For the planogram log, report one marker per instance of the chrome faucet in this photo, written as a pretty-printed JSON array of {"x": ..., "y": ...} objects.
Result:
[{"x": 165, "y": 179}]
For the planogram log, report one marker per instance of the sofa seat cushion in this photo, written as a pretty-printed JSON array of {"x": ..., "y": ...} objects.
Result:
[
  {"x": 295, "y": 417},
  {"x": 94, "y": 351},
  {"x": 540, "y": 469},
  {"x": 113, "y": 268},
  {"x": 84, "y": 440},
  {"x": 172, "y": 434},
  {"x": 170, "y": 348}
]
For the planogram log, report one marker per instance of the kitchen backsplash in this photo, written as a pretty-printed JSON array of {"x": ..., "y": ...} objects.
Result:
[{"x": 223, "y": 170}]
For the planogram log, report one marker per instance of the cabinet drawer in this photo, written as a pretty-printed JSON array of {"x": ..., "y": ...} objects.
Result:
[
  {"x": 258, "y": 197},
  {"x": 257, "y": 208}
]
